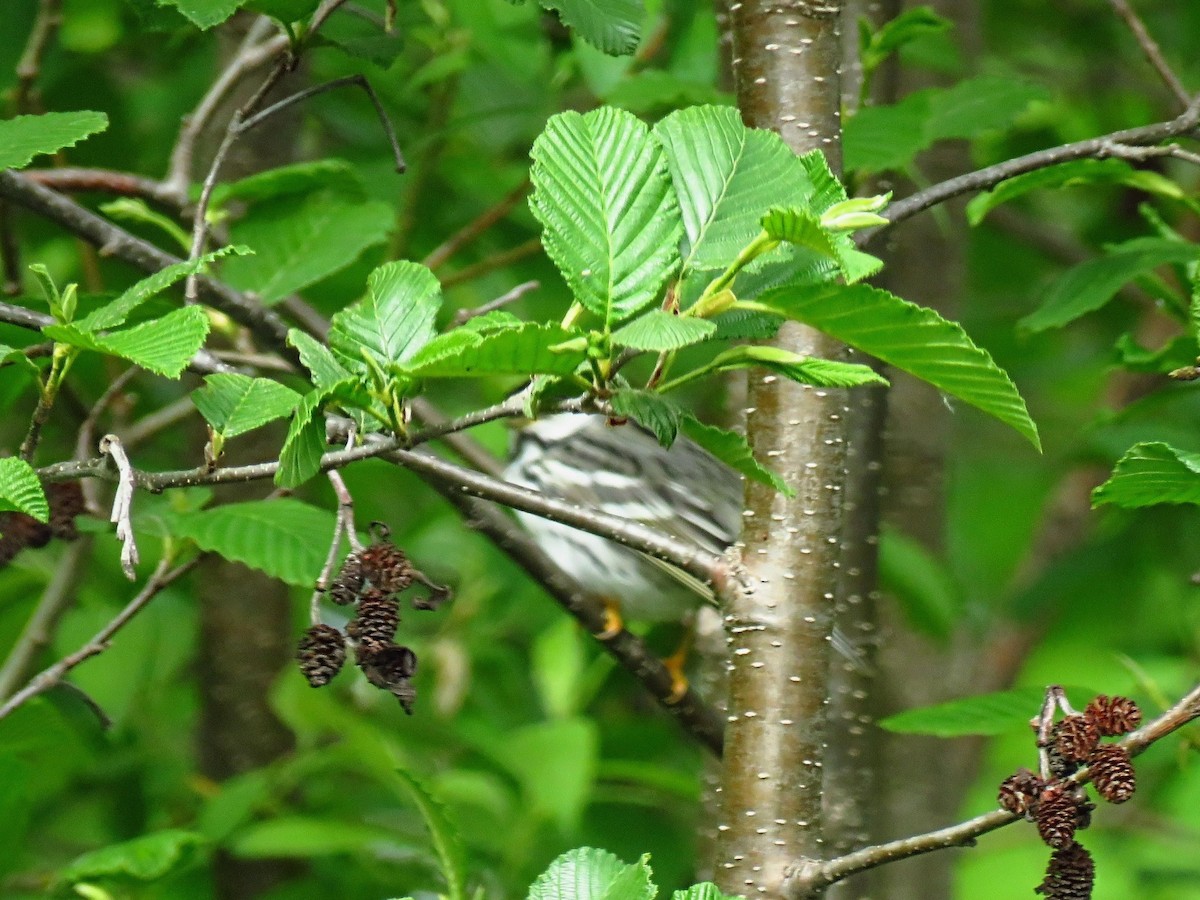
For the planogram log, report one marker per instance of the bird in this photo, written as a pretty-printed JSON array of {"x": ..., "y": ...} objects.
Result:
[{"x": 622, "y": 469}]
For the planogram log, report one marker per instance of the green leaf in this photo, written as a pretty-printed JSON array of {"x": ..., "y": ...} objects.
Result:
[
  {"x": 804, "y": 369},
  {"x": 583, "y": 874},
  {"x": 912, "y": 338},
  {"x": 21, "y": 490},
  {"x": 131, "y": 209},
  {"x": 163, "y": 346},
  {"x": 117, "y": 311},
  {"x": 392, "y": 322},
  {"x": 285, "y": 10},
  {"x": 613, "y": 26},
  {"x": 705, "y": 891},
  {"x": 146, "y": 858},
  {"x": 1176, "y": 353},
  {"x": 531, "y": 349},
  {"x": 24, "y": 137},
  {"x": 985, "y": 714},
  {"x": 975, "y": 105},
  {"x": 1090, "y": 285},
  {"x": 884, "y": 138},
  {"x": 1079, "y": 172},
  {"x": 308, "y": 836},
  {"x": 927, "y": 593},
  {"x": 660, "y": 331},
  {"x": 205, "y": 14},
  {"x": 731, "y": 448},
  {"x": 555, "y": 764},
  {"x": 446, "y": 840},
  {"x": 726, "y": 177},
  {"x": 1151, "y": 473},
  {"x": 234, "y": 404},
  {"x": 300, "y": 458},
  {"x": 298, "y": 239},
  {"x": 322, "y": 365},
  {"x": 891, "y": 36},
  {"x": 652, "y": 411},
  {"x": 610, "y": 219},
  {"x": 299, "y": 178},
  {"x": 284, "y": 538}
]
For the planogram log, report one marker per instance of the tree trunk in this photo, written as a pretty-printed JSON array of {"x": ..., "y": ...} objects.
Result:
[{"x": 786, "y": 64}]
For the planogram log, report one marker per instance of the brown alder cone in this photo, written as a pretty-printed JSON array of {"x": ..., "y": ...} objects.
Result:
[
  {"x": 1020, "y": 791},
  {"x": 386, "y": 567},
  {"x": 321, "y": 653},
  {"x": 1058, "y": 815},
  {"x": 376, "y": 622},
  {"x": 1075, "y": 737},
  {"x": 1070, "y": 874},
  {"x": 1114, "y": 715},
  {"x": 1112, "y": 773}
]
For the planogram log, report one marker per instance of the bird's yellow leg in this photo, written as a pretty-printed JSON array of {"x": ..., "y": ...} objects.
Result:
[
  {"x": 676, "y": 662},
  {"x": 613, "y": 623}
]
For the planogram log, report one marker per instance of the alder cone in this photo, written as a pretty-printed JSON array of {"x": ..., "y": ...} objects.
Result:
[
  {"x": 321, "y": 653},
  {"x": 1070, "y": 874},
  {"x": 1113, "y": 774},
  {"x": 1057, "y": 816},
  {"x": 386, "y": 567},
  {"x": 377, "y": 620},
  {"x": 1019, "y": 792},
  {"x": 349, "y": 583},
  {"x": 1114, "y": 716},
  {"x": 1075, "y": 737}
]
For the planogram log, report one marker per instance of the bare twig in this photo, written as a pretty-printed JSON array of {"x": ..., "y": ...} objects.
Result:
[
  {"x": 476, "y": 226},
  {"x": 466, "y": 315},
  {"x": 162, "y": 577},
  {"x": 106, "y": 181},
  {"x": 1151, "y": 50},
  {"x": 122, "y": 508},
  {"x": 10, "y": 252},
  {"x": 492, "y": 263},
  {"x": 29, "y": 66},
  {"x": 990, "y": 176}
]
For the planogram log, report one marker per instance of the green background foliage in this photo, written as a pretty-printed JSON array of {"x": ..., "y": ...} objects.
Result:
[{"x": 527, "y": 742}]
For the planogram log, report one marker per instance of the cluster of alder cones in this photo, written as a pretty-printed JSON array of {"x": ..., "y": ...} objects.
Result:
[
  {"x": 370, "y": 580},
  {"x": 1060, "y": 806}
]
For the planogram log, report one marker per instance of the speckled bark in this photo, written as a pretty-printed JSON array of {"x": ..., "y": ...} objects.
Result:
[{"x": 786, "y": 63}]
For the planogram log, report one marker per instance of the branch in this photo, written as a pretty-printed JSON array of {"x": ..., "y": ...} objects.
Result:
[
  {"x": 115, "y": 241},
  {"x": 1092, "y": 148},
  {"x": 466, "y": 315},
  {"x": 1151, "y": 50},
  {"x": 701, "y": 721},
  {"x": 50, "y": 677},
  {"x": 496, "y": 261},
  {"x": 808, "y": 876},
  {"x": 106, "y": 181}
]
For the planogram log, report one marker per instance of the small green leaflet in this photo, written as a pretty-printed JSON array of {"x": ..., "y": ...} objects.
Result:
[
  {"x": 392, "y": 322},
  {"x": 609, "y": 215},
  {"x": 21, "y": 490},
  {"x": 660, "y": 331},
  {"x": 1151, "y": 473},
  {"x": 300, "y": 458},
  {"x": 661, "y": 415},
  {"x": 24, "y": 137},
  {"x": 147, "y": 858},
  {"x": 163, "y": 346},
  {"x": 1090, "y": 285},
  {"x": 911, "y": 338},
  {"x": 804, "y": 369},
  {"x": 234, "y": 404},
  {"x": 284, "y": 538}
]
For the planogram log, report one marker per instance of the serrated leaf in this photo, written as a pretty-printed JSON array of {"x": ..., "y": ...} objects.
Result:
[
  {"x": 284, "y": 538},
  {"x": 393, "y": 321},
  {"x": 24, "y": 137},
  {"x": 660, "y": 331},
  {"x": 705, "y": 891},
  {"x": 582, "y": 874},
  {"x": 234, "y": 404},
  {"x": 800, "y": 228},
  {"x": 531, "y": 349},
  {"x": 446, "y": 841},
  {"x": 912, "y": 338},
  {"x": 300, "y": 458},
  {"x": 21, "y": 490},
  {"x": 803, "y": 369},
  {"x": 495, "y": 320},
  {"x": 1079, "y": 172},
  {"x": 164, "y": 346},
  {"x": 613, "y": 26},
  {"x": 746, "y": 325},
  {"x": 726, "y": 177},
  {"x": 1151, "y": 473},
  {"x": 609, "y": 216},
  {"x": 652, "y": 411},
  {"x": 114, "y": 313},
  {"x": 731, "y": 448},
  {"x": 1090, "y": 285},
  {"x": 146, "y": 858},
  {"x": 322, "y": 365},
  {"x": 984, "y": 714},
  {"x": 204, "y": 14},
  {"x": 298, "y": 239}
]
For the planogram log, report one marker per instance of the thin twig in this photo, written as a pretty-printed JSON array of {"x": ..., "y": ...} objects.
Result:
[
  {"x": 107, "y": 181},
  {"x": 990, "y": 176},
  {"x": 466, "y": 315},
  {"x": 162, "y": 577},
  {"x": 493, "y": 262},
  {"x": 1151, "y": 50},
  {"x": 476, "y": 226}
]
